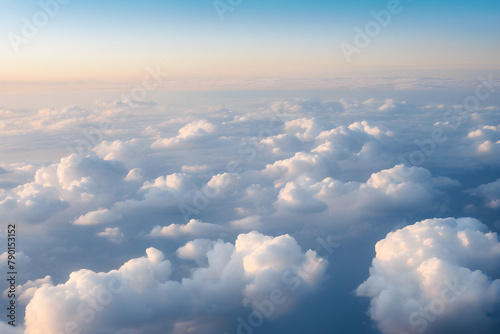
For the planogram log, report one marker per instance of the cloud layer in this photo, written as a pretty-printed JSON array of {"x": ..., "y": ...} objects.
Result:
[{"x": 221, "y": 194}]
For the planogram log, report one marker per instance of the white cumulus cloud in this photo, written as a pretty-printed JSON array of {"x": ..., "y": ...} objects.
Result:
[
  {"x": 436, "y": 276},
  {"x": 141, "y": 295}
]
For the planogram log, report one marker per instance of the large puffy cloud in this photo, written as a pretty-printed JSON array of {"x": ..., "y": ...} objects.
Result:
[
  {"x": 86, "y": 182},
  {"x": 360, "y": 148},
  {"x": 341, "y": 205},
  {"x": 140, "y": 295},
  {"x": 162, "y": 193},
  {"x": 301, "y": 163},
  {"x": 89, "y": 175},
  {"x": 436, "y": 276},
  {"x": 341, "y": 147},
  {"x": 32, "y": 202},
  {"x": 303, "y": 128},
  {"x": 295, "y": 196}
]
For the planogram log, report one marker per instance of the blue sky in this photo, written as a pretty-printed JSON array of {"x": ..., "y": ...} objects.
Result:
[{"x": 115, "y": 39}]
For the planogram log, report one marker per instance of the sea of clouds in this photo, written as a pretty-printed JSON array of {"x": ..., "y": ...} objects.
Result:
[{"x": 149, "y": 218}]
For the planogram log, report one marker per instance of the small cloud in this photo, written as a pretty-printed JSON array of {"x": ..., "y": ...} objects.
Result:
[
  {"x": 114, "y": 235},
  {"x": 194, "y": 227},
  {"x": 102, "y": 216}
]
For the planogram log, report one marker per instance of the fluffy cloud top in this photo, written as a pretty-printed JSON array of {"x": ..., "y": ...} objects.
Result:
[
  {"x": 438, "y": 275},
  {"x": 385, "y": 193},
  {"x": 189, "y": 132},
  {"x": 193, "y": 227},
  {"x": 141, "y": 294},
  {"x": 491, "y": 193},
  {"x": 113, "y": 234},
  {"x": 102, "y": 216}
]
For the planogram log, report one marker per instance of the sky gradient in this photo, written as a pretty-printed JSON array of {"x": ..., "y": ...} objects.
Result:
[{"x": 116, "y": 40}]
